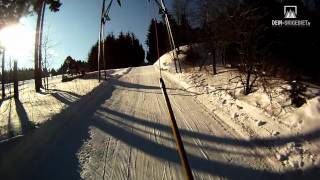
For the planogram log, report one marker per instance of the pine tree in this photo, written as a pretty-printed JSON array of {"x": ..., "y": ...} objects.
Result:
[
  {"x": 12, "y": 10},
  {"x": 163, "y": 41},
  {"x": 124, "y": 51}
]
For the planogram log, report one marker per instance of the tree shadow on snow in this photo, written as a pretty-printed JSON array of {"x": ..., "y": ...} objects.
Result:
[
  {"x": 65, "y": 97},
  {"x": 231, "y": 171},
  {"x": 25, "y": 123},
  {"x": 151, "y": 89},
  {"x": 67, "y": 92},
  {"x": 51, "y": 152}
]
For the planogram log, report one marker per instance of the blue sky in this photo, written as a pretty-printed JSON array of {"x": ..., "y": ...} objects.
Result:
[{"x": 74, "y": 29}]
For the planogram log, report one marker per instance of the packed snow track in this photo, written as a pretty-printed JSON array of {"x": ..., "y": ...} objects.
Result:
[{"x": 121, "y": 131}]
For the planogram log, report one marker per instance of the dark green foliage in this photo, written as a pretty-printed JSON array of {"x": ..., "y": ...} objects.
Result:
[
  {"x": 78, "y": 65},
  {"x": 192, "y": 56},
  {"x": 12, "y": 10},
  {"x": 163, "y": 41},
  {"x": 54, "y": 5},
  {"x": 183, "y": 31},
  {"x": 93, "y": 57},
  {"x": 297, "y": 93},
  {"x": 124, "y": 51},
  {"x": 181, "y": 23},
  {"x": 183, "y": 35},
  {"x": 53, "y": 72}
]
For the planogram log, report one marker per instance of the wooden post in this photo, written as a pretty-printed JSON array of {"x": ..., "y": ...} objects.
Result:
[
  {"x": 100, "y": 39},
  {"x": 3, "y": 82},
  {"x": 15, "y": 80},
  {"x": 103, "y": 53},
  {"x": 214, "y": 64}
]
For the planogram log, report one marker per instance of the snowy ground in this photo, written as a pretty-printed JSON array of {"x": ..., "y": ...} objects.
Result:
[
  {"x": 32, "y": 109},
  {"x": 120, "y": 130},
  {"x": 255, "y": 116}
]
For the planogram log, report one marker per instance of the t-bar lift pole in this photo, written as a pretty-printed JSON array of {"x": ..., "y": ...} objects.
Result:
[
  {"x": 182, "y": 153},
  {"x": 164, "y": 12},
  {"x": 100, "y": 38}
]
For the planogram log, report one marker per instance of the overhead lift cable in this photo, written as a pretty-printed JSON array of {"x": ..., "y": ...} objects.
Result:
[{"x": 173, "y": 122}]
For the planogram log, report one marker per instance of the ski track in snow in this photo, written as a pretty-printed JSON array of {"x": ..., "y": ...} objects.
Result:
[{"x": 121, "y": 131}]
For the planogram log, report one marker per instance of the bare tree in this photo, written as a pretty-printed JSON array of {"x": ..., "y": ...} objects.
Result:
[
  {"x": 251, "y": 59},
  {"x": 239, "y": 24},
  {"x": 47, "y": 57},
  {"x": 181, "y": 8},
  {"x": 218, "y": 33}
]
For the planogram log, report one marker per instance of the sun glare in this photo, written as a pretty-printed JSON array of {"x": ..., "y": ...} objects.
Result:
[{"x": 18, "y": 42}]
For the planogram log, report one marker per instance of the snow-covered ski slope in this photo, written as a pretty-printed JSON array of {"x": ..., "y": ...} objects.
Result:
[{"x": 121, "y": 130}]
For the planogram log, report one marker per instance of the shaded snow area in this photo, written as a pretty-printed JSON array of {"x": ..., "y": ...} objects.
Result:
[
  {"x": 19, "y": 117},
  {"x": 264, "y": 116},
  {"x": 121, "y": 130}
]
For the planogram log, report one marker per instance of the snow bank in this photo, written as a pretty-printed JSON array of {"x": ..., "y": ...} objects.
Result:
[
  {"x": 167, "y": 60},
  {"x": 307, "y": 117}
]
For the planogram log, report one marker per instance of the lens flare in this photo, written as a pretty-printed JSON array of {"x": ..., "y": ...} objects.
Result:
[{"x": 18, "y": 42}]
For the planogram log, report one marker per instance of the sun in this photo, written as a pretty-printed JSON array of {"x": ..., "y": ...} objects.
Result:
[{"x": 18, "y": 42}]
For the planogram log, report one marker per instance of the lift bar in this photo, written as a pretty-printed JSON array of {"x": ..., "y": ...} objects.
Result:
[{"x": 177, "y": 137}]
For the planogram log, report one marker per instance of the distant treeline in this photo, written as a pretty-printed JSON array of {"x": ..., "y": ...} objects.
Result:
[
  {"x": 120, "y": 52},
  {"x": 23, "y": 74}
]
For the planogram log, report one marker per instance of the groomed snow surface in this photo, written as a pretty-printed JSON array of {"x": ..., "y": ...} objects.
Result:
[{"x": 119, "y": 129}]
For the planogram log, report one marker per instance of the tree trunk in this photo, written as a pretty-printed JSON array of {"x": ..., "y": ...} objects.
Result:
[
  {"x": 224, "y": 56},
  {"x": 247, "y": 88},
  {"x": 40, "y": 43},
  {"x": 36, "y": 54},
  {"x": 15, "y": 80},
  {"x": 37, "y": 71},
  {"x": 2, "y": 77},
  {"x": 214, "y": 64},
  {"x": 46, "y": 79}
]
